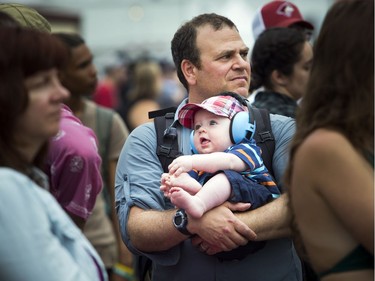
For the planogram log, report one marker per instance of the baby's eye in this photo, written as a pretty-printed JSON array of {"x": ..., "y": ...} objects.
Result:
[
  {"x": 213, "y": 122},
  {"x": 197, "y": 127}
]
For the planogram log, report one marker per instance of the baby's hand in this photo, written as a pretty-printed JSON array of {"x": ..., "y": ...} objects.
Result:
[{"x": 181, "y": 165}]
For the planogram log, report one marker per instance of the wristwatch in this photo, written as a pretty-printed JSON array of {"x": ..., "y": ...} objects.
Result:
[{"x": 180, "y": 221}]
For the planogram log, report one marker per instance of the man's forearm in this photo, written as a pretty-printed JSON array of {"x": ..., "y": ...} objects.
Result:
[
  {"x": 270, "y": 221},
  {"x": 152, "y": 231}
]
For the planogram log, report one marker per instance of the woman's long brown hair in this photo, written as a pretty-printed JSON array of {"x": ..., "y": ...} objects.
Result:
[{"x": 340, "y": 92}]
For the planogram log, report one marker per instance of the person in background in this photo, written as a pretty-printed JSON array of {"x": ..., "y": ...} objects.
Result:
[
  {"x": 280, "y": 13},
  {"x": 73, "y": 168},
  {"x": 281, "y": 60},
  {"x": 172, "y": 92},
  {"x": 73, "y": 161},
  {"x": 79, "y": 76},
  {"x": 7, "y": 20},
  {"x": 107, "y": 91},
  {"x": 210, "y": 57},
  {"x": 35, "y": 231},
  {"x": 143, "y": 94},
  {"x": 331, "y": 170},
  {"x": 26, "y": 16}
]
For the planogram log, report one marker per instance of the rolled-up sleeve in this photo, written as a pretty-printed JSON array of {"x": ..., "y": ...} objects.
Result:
[{"x": 138, "y": 184}]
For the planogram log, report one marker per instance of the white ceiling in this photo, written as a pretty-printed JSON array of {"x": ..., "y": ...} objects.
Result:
[{"x": 148, "y": 25}]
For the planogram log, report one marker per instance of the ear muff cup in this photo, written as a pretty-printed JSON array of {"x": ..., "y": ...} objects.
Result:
[
  {"x": 241, "y": 127},
  {"x": 193, "y": 148}
]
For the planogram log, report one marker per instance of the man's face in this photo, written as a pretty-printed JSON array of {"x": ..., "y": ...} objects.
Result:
[
  {"x": 80, "y": 75},
  {"x": 224, "y": 64}
]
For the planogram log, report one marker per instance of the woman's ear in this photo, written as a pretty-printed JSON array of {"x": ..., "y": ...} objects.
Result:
[
  {"x": 278, "y": 79},
  {"x": 188, "y": 69}
]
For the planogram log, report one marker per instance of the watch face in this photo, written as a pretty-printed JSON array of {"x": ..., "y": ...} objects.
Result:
[{"x": 178, "y": 219}]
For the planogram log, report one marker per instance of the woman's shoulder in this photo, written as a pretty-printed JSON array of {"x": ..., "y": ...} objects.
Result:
[
  {"x": 145, "y": 104},
  {"x": 138, "y": 114},
  {"x": 325, "y": 140},
  {"x": 325, "y": 134},
  {"x": 327, "y": 147}
]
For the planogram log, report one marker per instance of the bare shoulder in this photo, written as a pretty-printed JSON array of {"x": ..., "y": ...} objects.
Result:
[
  {"x": 325, "y": 143},
  {"x": 326, "y": 138},
  {"x": 146, "y": 105},
  {"x": 141, "y": 109},
  {"x": 138, "y": 114},
  {"x": 325, "y": 152}
]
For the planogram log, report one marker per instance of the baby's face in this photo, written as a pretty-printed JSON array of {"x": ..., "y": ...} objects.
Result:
[{"x": 211, "y": 132}]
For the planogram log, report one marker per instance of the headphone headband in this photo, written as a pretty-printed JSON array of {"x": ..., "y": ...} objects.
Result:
[{"x": 244, "y": 101}]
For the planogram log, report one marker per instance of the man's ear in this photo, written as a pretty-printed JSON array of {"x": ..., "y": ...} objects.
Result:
[
  {"x": 188, "y": 69},
  {"x": 278, "y": 79}
]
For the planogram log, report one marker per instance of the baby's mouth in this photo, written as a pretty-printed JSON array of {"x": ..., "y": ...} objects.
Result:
[{"x": 204, "y": 141}]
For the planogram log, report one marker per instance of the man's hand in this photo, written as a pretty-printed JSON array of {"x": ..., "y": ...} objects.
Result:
[{"x": 219, "y": 229}]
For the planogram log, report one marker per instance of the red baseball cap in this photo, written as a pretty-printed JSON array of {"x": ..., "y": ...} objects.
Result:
[
  {"x": 278, "y": 13},
  {"x": 226, "y": 106}
]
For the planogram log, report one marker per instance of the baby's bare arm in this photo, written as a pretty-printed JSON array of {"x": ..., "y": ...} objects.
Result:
[{"x": 211, "y": 163}]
